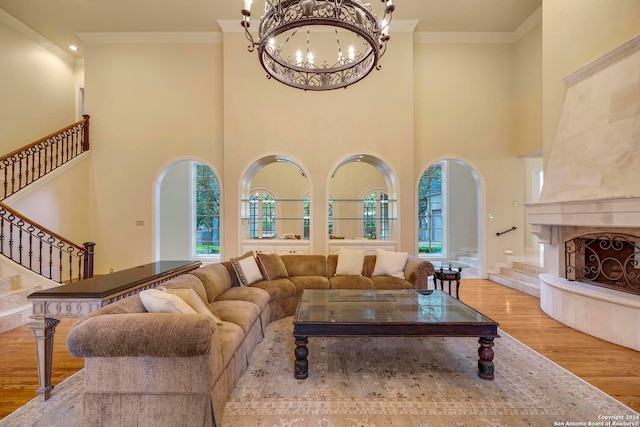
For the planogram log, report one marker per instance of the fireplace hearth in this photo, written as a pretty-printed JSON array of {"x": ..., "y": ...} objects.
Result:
[{"x": 604, "y": 259}]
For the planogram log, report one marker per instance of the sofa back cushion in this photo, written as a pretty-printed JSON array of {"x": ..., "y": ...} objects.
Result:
[
  {"x": 272, "y": 266},
  {"x": 305, "y": 265},
  {"x": 367, "y": 267},
  {"x": 187, "y": 281},
  {"x": 215, "y": 278}
]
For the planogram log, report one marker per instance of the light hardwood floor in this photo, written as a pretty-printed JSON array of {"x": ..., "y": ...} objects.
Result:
[{"x": 611, "y": 368}]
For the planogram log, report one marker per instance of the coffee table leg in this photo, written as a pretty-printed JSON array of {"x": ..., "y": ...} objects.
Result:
[
  {"x": 302, "y": 364},
  {"x": 485, "y": 363}
]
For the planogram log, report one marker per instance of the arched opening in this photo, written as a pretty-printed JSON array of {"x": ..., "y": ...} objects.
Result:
[
  {"x": 362, "y": 205},
  {"x": 188, "y": 212},
  {"x": 275, "y": 206},
  {"x": 450, "y": 214}
]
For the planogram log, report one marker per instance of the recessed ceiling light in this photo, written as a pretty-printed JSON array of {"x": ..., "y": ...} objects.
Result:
[{"x": 73, "y": 48}]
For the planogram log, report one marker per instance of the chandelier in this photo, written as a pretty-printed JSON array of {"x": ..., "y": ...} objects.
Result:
[{"x": 348, "y": 40}]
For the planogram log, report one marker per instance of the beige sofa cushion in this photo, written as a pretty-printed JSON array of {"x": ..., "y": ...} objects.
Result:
[
  {"x": 215, "y": 278},
  {"x": 351, "y": 282},
  {"x": 242, "y": 313},
  {"x": 258, "y": 296},
  {"x": 272, "y": 266},
  {"x": 191, "y": 297},
  {"x": 305, "y": 265}
]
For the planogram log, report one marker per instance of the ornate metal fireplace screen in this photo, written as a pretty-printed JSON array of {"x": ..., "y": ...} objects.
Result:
[{"x": 611, "y": 260}]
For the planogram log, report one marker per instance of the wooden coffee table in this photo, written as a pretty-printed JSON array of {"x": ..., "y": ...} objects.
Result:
[{"x": 386, "y": 313}]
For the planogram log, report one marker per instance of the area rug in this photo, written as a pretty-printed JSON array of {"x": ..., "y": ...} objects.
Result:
[{"x": 379, "y": 382}]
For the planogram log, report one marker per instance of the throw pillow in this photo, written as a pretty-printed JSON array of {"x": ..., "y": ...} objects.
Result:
[
  {"x": 350, "y": 262},
  {"x": 390, "y": 263},
  {"x": 156, "y": 301},
  {"x": 247, "y": 269},
  {"x": 272, "y": 266},
  {"x": 191, "y": 297}
]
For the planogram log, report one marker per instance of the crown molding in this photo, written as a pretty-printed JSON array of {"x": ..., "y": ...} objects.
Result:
[
  {"x": 625, "y": 49},
  {"x": 20, "y": 27},
  {"x": 233, "y": 25},
  {"x": 480, "y": 37},
  {"x": 160, "y": 37},
  {"x": 438, "y": 37},
  {"x": 528, "y": 24}
]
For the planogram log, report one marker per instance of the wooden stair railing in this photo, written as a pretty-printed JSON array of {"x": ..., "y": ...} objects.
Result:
[
  {"x": 30, "y": 163},
  {"x": 25, "y": 241}
]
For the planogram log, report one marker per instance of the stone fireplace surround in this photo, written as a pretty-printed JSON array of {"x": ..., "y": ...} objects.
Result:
[{"x": 592, "y": 184}]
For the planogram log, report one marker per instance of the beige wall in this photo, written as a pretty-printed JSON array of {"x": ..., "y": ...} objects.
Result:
[
  {"x": 575, "y": 32},
  {"x": 527, "y": 102},
  {"x": 36, "y": 90},
  {"x": 151, "y": 105}
]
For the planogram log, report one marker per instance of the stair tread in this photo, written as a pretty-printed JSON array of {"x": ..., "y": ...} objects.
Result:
[
  {"x": 19, "y": 290},
  {"x": 511, "y": 279},
  {"x": 15, "y": 310},
  {"x": 528, "y": 273}
]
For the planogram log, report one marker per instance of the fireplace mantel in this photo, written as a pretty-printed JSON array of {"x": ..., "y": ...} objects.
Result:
[{"x": 618, "y": 213}]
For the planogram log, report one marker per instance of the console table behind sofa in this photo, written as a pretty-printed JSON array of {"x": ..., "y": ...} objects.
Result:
[{"x": 80, "y": 298}]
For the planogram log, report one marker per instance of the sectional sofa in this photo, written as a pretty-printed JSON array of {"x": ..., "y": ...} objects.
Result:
[{"x": 167, "y": 368}]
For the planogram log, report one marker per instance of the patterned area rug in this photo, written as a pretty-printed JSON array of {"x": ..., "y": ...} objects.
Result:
[{"x": 379, "y": 382}]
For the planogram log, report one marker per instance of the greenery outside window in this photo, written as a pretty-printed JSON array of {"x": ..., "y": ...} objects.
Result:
[
  {"x": 207, "y": 197},
  {"x": 430, "y": 210},
  {"x": 376, "y": 216},
  {"x": 262, "y": 216}
]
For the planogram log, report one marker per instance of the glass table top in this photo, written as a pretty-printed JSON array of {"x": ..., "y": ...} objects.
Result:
[
  {"x": 446, "y": 264},
  {"x": 385, "y": 306}
]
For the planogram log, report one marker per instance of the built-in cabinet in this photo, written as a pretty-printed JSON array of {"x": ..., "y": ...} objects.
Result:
[{"x": 277, "y": 246}]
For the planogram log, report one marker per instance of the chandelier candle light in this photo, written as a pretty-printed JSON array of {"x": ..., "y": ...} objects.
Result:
[{"x": 348, "y": 41}]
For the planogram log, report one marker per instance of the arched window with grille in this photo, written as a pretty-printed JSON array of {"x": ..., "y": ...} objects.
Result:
[
  {"x": 376, "y": 216},
  {"x": 262, "y": 216}
]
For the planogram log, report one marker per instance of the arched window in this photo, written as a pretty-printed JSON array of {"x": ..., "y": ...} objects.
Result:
[
  {"x": 207, "y": 211},
  {"x": 430, "y": 208},
  {"x": 262, "y": 216},
  {"x": 376, "y": 216}
]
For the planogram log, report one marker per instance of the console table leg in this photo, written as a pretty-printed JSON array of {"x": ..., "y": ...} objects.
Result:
[
  {"x": 44, "y": 330},
  {"x": 485, "y": 363},
  {"x": 301, "y": 364}
]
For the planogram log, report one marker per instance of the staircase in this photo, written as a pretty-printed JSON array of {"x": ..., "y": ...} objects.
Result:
[
  {"x": 31, "y": 256},
  {"x": 522, "y": 276},
  {"x": 14, "y": 307},
  {"x": 468, "y": 256}
]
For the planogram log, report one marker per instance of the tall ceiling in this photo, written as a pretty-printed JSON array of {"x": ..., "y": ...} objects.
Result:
[{"x": 60, "y": 21}]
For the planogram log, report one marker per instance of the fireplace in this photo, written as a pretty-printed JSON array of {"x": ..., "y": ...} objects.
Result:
[
  {"x": 588, "y": 213},
  {"x": 610, "y": 260}
]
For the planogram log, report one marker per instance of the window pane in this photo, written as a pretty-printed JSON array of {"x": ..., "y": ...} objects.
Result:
[
  {"x": 369, "y": 217},
  {"x": 305, "y": 214},
  {"x": 254, "y": 214},
  {"x": 384, "y": 216},
  {"x": 268, "y": 216},
  {"x": 430, "y": 211},
  {"x": 207, "y": 197}
]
